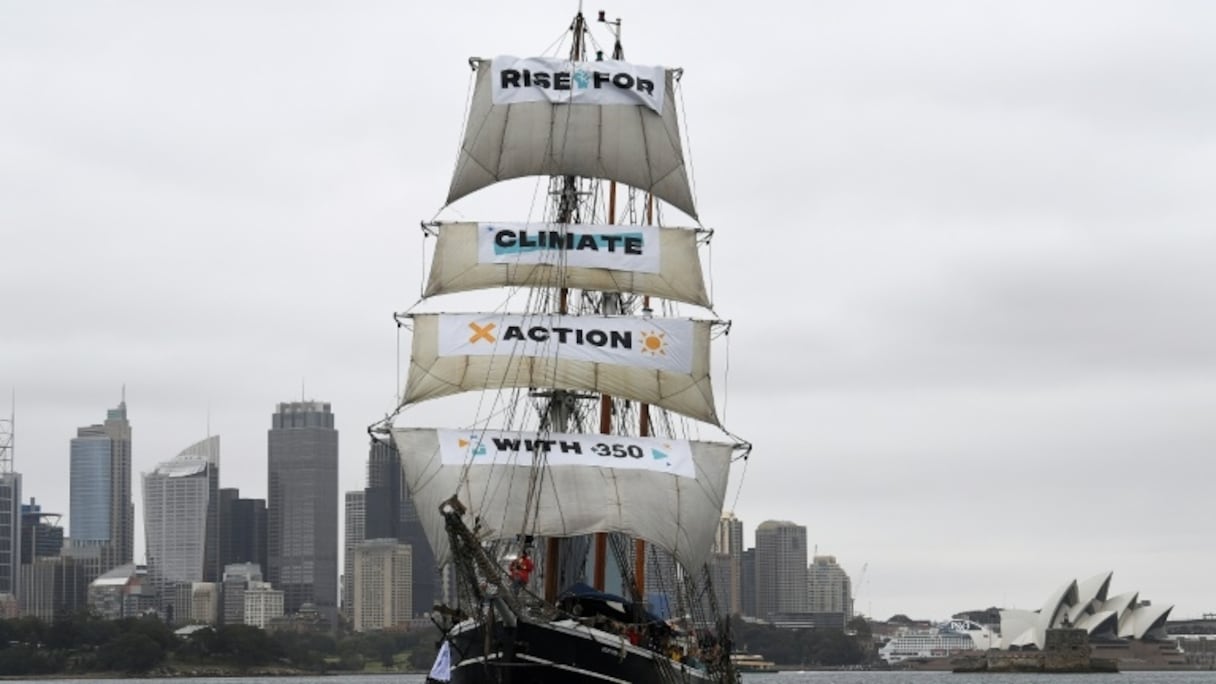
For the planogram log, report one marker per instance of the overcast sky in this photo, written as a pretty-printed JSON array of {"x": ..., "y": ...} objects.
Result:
[{"x": 967, "y": 248}]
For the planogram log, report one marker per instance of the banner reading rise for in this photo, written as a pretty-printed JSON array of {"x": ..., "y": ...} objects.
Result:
[
  {"x": 560, "y": 81},
  {"x": 495, "y": 447},
  {"x": 660, "y": 344},
  {"x": 621, "y": 248}
]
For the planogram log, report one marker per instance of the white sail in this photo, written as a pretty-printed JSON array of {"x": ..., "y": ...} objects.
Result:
[
  {"x": 673, "y": 511},
  {"x": 628, "y": 143},
  {"x": 660, "y": 262},
  {"x": 659, "y": 361}
]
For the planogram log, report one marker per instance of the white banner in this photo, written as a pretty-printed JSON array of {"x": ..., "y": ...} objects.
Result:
[
  {"x": 560, "y": 81},
  {"x": 621, "y": 248},
  {"x": 495, "y": 447},
  {"x": 652, "y": 343}
]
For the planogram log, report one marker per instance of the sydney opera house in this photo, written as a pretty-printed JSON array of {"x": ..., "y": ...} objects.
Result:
[{"x": 1085, "y": 605}]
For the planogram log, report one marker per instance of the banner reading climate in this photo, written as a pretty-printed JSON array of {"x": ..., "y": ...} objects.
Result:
[
  {"x": 494, "y": 447},
  {"x": 659, "y": 344},
  {"x": 621, "y": 248},
  {"x": 560, "y": 81}
]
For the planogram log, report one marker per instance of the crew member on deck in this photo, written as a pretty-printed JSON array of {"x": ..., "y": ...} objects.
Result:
[{"x": 521, "y": 570}]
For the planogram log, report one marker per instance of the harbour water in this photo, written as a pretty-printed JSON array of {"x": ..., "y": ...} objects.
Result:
[{"x": 814, "y": 677}]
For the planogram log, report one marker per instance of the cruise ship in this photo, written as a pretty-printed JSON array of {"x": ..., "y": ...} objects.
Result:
[{"x": 946, "y": 639}]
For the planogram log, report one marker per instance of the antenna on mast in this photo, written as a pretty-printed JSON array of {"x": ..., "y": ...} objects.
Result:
[
  {"x": 618, "y": 52},
  {"x": 8, "y": 436}
]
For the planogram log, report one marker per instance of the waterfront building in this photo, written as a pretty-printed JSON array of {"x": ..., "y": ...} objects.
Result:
[
  {"x": 263, "y": 604},
  {"x": 237, "y": 577},
  {"x": 121, "y": 593},
  {"x": 242, "y": 529},
  {"x": 197, "y": 603},
  {"x": 302, "y": 505},
  {"x": 101, "y": 508},
  {"x": 1085, "y": 605},
  {"x": 54, "y": 586},
  {"x": 382, "y": 585},
  {"x": 181, "y": 521},
  {"x": 829, "y": 588},
  {"x": 780, "y": 568},
  {"x": 356, "y": 524}
]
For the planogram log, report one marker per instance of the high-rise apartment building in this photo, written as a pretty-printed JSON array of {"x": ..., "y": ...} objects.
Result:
[
  {"x": 728, "y": 552},
  {"x": 780, "y": 568},
  {"x": 302, "y": 505},
  {"x": 102, "y": 513},
  {"x": 182, "y": 519},
  {"x": 242, "y": 530},
  {"x": 829, "y": 588},
  {"x": 382, "y": 585},
  {"x": 356, "y": 523}
]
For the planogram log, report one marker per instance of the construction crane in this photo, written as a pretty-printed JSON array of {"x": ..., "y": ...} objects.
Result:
[{"x": 858, "y": 586}]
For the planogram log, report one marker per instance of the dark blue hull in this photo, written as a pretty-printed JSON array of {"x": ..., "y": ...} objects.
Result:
[{"x": 559, "y": 653}]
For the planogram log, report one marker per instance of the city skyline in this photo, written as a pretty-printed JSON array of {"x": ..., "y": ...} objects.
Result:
[
  {"x": 964, "y": 248},
  {"x": 734, "y": 532}
]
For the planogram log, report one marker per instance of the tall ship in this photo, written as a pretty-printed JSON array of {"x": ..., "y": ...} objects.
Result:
[{"x": 569, "y": 495}]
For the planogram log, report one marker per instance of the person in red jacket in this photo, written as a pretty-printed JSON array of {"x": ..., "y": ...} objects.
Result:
[{"x": 521, "y": 570}]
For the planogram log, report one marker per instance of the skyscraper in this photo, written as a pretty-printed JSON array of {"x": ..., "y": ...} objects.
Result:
[
  {"x": 390, "y": 514},
  {"x": 780, "y": 568},
  {"x": 747, "y": 574},
  {"x": 728, "y": 551},
  {"x": 10, "y": 513},
  {"x": 181, "y": 518},
  {"x": 102, "y": 513},
  {"x": 10, "y": 532},
  {"x": 242, "y": 530},
  {"x": 302, "y": 506},
  {"x": 384, "y": 491},
  {"x": 39, "y": 539},
  {"x": 356, "y": 523}
]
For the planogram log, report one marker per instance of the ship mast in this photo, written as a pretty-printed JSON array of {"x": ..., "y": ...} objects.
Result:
[{"x": 562, "y": 402}]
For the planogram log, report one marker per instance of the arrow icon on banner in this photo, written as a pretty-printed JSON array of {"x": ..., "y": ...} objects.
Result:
[{"x": 658, "y": 455}]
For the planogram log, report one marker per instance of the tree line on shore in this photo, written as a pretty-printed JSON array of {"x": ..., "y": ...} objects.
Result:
[
  {"x": 806, "y": 647},
  {"x": 85, "y": 643}
]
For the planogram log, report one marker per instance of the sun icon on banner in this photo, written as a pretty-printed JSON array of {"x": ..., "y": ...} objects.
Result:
[{"x": 654, "y": 343}]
